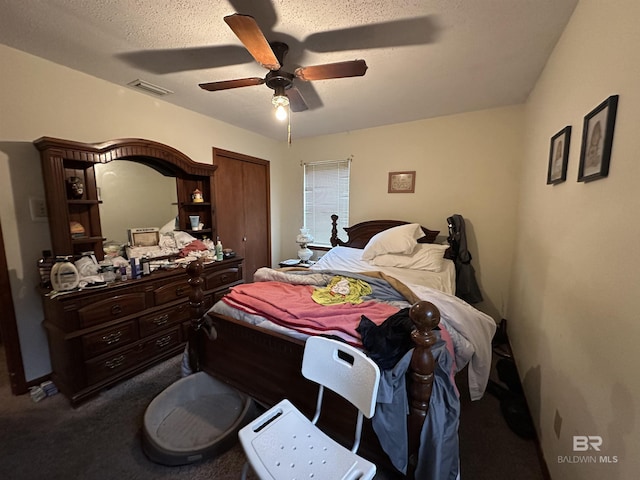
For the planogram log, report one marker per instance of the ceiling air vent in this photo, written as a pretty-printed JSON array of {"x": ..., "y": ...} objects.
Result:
[{"x": 149, "y": 87}]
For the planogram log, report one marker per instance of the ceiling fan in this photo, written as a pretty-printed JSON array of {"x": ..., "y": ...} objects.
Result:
[{"x": 271, "y": 56}]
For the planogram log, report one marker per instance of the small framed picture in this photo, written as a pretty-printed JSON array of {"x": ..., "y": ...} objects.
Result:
[
  {"x": 402, "y": 182},
  {"x": 144, "y": 237},
  {"x": 597, "y": 138},
  {"x": 559, "y": 156}
]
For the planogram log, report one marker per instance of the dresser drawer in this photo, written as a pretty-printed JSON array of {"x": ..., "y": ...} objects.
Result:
[
  {"x": 160, "y": 343},
  {"x": 99, "y": 369},
  {"x": 112, "y": 365},
  {"x": 223, "y": 277},
  {"x": 171, "y": 291},
  {"x": 112, "y": 308},
  {"x": 150, "y": 324},
  {"x": 109, "y": 339}
]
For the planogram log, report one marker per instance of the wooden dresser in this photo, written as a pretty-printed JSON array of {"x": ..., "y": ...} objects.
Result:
[{"x": 99, "y": 337}]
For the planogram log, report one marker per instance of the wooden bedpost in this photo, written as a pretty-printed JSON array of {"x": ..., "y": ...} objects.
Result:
[
  {"x": 196, "y": 302},
  {"x": 425, "y": 316},
  {"x": 334, "y": 230}
]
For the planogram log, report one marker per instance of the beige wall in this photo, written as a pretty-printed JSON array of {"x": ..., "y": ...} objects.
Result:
[
  {"x": 574, "y": 299},
  {"x": 466, "y": 164},
  {"x": 39, "y": 98}
]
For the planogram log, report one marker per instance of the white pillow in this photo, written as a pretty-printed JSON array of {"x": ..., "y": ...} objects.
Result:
[
  {"x": 401, "y": 239},
  {"x": 427, "y": 256}
]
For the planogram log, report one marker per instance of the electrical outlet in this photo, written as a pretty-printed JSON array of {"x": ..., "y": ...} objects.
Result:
[
  {"x": 557, "y": 424},
  {"x": 38, "y": 209}
]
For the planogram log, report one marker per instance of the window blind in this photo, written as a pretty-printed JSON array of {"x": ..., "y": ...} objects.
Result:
[{"x": 326, "y": 192}]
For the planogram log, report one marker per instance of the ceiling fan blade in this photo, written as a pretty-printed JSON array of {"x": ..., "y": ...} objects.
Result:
[
  {"x": 353, "y": 68},
  {"x": 395, "y": 33},
  {"x": 227, "y": 84},
  {"x": 262, "y": 9},
  {"x": 296, "y": 101},
  {"x": 249, "y": 33}
]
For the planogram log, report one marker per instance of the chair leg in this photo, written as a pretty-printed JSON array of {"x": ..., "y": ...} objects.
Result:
[{"x": 245, "y": 471}]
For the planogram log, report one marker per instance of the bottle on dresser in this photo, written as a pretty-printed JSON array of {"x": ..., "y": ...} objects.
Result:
[{"x": 219, "y": 255}]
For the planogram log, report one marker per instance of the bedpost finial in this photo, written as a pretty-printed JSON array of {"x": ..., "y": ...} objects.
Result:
[
  {"x": 194, "y": 269},
  {"x": 425, "y": 315}
]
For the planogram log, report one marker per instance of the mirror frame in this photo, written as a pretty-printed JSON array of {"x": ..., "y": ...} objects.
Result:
[{"x": 59, "y": 154}]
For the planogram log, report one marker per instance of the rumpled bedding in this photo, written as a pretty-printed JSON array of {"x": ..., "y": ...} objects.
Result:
[
  {"x": 471, "y": 330},
  {"x": 464, "y": 338},
  {"x": 300, "y": 312}
]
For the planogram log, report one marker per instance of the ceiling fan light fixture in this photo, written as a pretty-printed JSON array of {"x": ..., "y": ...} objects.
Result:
[{"x": 280, "y": 102}]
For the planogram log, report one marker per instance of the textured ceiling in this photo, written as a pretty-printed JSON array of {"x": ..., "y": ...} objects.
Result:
[{"x": 426, "y": 58}]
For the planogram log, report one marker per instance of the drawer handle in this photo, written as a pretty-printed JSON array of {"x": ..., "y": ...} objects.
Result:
[
  {"x": 179, "y": 291},
  {"x": 163, "y": 342},
  {"x": 115, "y": 363},
  {"x": 112, "y": 338},
  {"x": 224, "y": 278},
  {"x": 116, "y": 309},
  {"x": 161, "y": 320}
]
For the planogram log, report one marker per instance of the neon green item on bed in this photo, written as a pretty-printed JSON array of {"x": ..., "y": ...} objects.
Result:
[{"x": 342, "y": 290}]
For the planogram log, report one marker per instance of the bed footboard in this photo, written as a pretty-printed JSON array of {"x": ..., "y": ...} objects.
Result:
[{"x": 266, "y": 365}]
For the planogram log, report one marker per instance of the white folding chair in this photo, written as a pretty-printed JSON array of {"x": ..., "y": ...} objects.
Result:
[{"x": 284, "y": 444}]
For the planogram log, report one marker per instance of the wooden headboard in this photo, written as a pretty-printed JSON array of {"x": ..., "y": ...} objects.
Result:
[{"x": 360, "y": 233}]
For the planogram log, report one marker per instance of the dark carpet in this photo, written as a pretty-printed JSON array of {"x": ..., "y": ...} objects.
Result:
[{"x": 101, "y": 439}]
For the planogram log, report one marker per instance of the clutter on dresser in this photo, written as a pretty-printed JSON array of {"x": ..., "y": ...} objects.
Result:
[
  {"x": 218, "y": 250},
  {"x": 144, "y": 237},
  {"x": 45, "y": 263},
  {"x": 148, "y": 249},
  {"x": 64, "y": 274}
]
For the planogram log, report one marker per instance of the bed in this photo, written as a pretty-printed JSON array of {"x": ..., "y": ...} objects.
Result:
[{"x": 258, "y": 351}]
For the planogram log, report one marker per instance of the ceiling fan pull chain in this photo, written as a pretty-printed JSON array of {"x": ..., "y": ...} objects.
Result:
[{"x": 289, "y": 128}]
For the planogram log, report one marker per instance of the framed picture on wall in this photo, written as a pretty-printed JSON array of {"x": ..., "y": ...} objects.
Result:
[
  {"x": 402, "y": 182},
  {"x": 559, "y": 156},
  {"x": 597, "y": 138}
]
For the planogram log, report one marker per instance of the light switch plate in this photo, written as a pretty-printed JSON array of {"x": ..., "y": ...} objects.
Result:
[{"x": 38, "y": 209}]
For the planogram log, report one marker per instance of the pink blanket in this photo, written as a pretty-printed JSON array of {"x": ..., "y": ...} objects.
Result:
[{"x": 292, "y": 306}]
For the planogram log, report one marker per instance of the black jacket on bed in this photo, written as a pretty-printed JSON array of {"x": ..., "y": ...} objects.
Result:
[{"x": 466, "y": 284}]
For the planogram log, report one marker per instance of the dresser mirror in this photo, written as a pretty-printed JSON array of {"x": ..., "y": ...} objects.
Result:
[
  {"x": 126, "y": 193},
  {"x": 133, "y": 195}
]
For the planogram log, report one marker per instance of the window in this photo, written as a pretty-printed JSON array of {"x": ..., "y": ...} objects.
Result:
[{"x": 326, "y": 192}]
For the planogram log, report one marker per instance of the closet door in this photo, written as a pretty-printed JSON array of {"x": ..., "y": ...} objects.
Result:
[{"x": 242, "y": 208}]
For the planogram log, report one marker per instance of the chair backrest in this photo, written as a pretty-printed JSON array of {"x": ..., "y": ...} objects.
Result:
[{"x": 343, "y": 369}]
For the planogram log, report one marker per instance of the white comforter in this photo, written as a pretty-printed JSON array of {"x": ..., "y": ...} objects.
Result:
[
  {"x": 471, "y": 330},
  {"x": 349, "y": 259}
]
